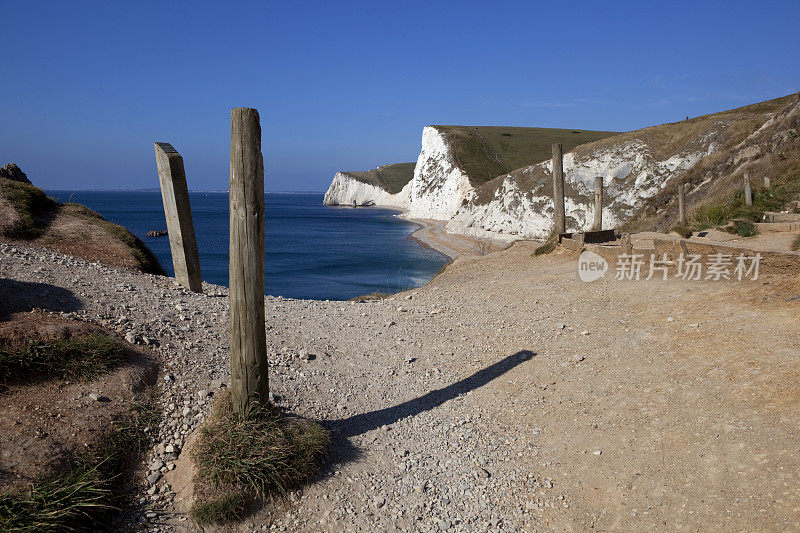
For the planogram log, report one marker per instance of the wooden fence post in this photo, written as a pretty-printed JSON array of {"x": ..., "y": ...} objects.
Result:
[
  {"x": 766, "y": 182},
  {"x": 748, "y": 192},
  {"x": 249, "y": 369},
  {"x": 560, "y": 217},
  {"x": 682, "y": 203},
  {"x": 178, "y": 212},
  {"x": 597, "y": 224}
]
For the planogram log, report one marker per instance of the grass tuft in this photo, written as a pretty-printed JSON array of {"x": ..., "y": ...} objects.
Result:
[
  {"x": 84, "y": 495},
  {"x": 548, "y": 246},
  {"x": 80, "y": 357},
  {"x": 742, "y": 227},
  {"x": 241, "y": 457},
  {"x": 682, "y": 230},
  {"x": 795, "y": 246}
]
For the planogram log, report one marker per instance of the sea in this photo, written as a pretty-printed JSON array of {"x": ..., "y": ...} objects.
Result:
[{"x": 312, "y": 252}]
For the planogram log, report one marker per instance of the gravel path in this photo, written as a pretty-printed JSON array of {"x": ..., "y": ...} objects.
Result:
[{"x": 504, "y": 396}]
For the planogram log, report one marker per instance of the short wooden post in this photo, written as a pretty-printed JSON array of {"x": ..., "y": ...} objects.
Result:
[
  {"x": 249, "y": 370},
  {"x": 597, "y": 224},
  {"x": 766, "y": 182},
  {"x": 178, "y": 212},
  {"x": 682, "y": 203},
  {"x": 748, "y": 192},
  {"x": 559, "y": 216}
]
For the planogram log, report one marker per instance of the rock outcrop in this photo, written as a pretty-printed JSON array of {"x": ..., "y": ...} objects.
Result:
[{"x": 12, "y": 172}]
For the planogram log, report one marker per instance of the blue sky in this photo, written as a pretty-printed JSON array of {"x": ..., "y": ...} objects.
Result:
[{"x": 86, "y": 87}]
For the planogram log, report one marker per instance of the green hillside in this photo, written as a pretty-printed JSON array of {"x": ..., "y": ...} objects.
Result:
[
  {"x": 486, "y": 152},
  {"x": 391, "y": 178}
]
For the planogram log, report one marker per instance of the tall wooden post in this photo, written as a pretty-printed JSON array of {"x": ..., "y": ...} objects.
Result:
[
  {"x": 682, "y": 203},
  {"x": 748, "y": 192},
  {"x": 178, "y": 212},
  {"x": 249, "y": 371},
  {"x": 560, "y": 218},
  {"x": 597, "y": 224}
]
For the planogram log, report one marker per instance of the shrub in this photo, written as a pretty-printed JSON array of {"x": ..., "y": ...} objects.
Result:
[{"x": 244, "y": 456}]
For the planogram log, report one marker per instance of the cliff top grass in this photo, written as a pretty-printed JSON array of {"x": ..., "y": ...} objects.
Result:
[
  {"x": 486, "y": 152},
  {"x": 391, "y": 178},
  {"x": 28, "y": 214}
]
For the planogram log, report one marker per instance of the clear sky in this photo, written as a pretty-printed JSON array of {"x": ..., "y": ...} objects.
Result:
[{"x": 86, "y": 87}]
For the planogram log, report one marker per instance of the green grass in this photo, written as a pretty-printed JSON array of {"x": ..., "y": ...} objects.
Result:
[
  {"x": 34, "y": 209},
  {"x": 485, "y": 152},
  {"x": 242, "y": 457},
  {"x": 81, "y": 357},
  {"x": 84, "y": 495},
  {"x": 391, "y": 178},
  {"x": 742, "y": 227},
  {"x": 795, "y": 243},
  {"x": 732, "y": 207}
]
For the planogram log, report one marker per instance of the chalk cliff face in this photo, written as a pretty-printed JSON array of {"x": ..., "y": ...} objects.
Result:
[
  {"x": 347, "y": 190},
  {"x": 639, "y": 170},
  {"x": 439, "y": 184},
  {"x": 520, "y": 205}
]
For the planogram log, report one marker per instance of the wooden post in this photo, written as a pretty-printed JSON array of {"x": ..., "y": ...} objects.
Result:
[
  {"x": 766, "y": 182},
  {"x": 178, "y": 212},
  {"x": 249, "y": 379},
  {"x": 560, "y": 217},
  {"x": 597, "y": 224},
  {"x": 682, "y": 203},
  {"x": 748, "y": 192}
]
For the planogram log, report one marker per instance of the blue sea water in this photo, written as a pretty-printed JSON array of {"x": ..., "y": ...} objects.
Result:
[{"x": 313, "y": 251}]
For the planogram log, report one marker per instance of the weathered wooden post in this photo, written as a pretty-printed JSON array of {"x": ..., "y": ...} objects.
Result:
[
  {"x": 748, "y": 192},
  {"x": 766, "y": 182},
  {"x": 178, "y": 212},
  {"x": 249, "y": 370},
  {"x": 560, "y": 217},
  {"x": 682, "y": 203},
  {"x": 597, "y": 225}
]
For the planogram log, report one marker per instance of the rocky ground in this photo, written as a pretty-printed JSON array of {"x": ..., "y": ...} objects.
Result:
[{"x": 506, "y": 395}]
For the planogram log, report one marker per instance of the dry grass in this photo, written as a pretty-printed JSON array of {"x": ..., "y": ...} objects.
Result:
[
  {"x": 241, "y": 457},
  {"x": 795, "y": 246},
  {"x": 80, "y": 357},
  {"x": 84, "y": 495}
]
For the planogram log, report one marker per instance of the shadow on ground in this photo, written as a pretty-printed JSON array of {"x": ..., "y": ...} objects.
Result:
[
  {"x": 24, "y": 296},
  {"x": 361, "y": 423}
]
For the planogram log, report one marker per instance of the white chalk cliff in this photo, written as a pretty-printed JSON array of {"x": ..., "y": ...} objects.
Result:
[{"x": 636, "y": 166}]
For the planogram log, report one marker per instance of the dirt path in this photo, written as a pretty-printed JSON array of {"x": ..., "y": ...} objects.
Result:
[{"x": 505, "y": 395}]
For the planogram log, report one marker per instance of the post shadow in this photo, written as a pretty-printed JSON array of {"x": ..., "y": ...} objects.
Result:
[
  {"x": 23, "y": 296},
  {"x": 361, "y": 423}
]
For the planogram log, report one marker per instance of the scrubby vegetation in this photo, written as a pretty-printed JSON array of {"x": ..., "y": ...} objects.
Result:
[
  {"x": 80, "y": 357},
  {"x": 84, "y": 495},
  {"x": 795, "y": 243},
  {"x": 33, "y": 209},
  {"x": 548, "y": 246},
  {"x": 241, "y": 457},
  {"x": 27, "y": 213}
]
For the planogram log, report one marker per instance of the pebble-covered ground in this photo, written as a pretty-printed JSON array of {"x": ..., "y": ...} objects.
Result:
[{"x": 504, "y": 396}]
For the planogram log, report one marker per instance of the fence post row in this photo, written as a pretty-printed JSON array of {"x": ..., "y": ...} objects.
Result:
[
  {"x": 249, "y": 369},
  {"x": 178, "y": 212}
]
